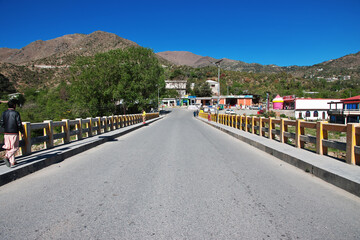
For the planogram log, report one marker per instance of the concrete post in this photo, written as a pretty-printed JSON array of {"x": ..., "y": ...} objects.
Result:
[
  {"x": 66, "y": 129},
  {"x": 270, "y": 128},
  {"x": 282, "y": 130},
  {"x": 49, "y": 131},
  {"x": 260, "y": 126},
  {"x": 253, "y": 125},
  {"x": 27, "y": 138},
  {"x": 98, "y": 123},
  {"x": 78, "y": 126},
  {"x": 350, "y": 143},
  {"x": 246, "y": 123},
  {"x": 89, "y": 126},
  {"x": 298, "y": 133},
  {"x": 319, "y": 138}
]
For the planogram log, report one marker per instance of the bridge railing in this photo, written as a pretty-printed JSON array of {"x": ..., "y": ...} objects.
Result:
[
  {"x": 65, "y": 131},
  {"x": 299, "y": 133}
]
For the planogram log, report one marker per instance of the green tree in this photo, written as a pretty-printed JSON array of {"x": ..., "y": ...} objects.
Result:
[
  {"x": 5, "y": 87},
  {"x": 203, "y": 90},
  {"x": 131, "y": 77}
]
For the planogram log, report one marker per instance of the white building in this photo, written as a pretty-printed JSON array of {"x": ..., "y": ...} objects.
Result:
[
  {"x": 214, "y": 85},
  {"x": 178, "y": 85},
  {"x": 312, "y": 109}
]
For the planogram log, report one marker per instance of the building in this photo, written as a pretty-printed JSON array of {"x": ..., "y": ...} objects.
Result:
[
  {"x": 312, "y": 109},
  {"x": 214, "y": 85},
  {"x": 237, "y": 100},
  {"x": 289, "y": 102},
  {"x": 345, "y": 110},
  {"x": 178, "y": 85}
]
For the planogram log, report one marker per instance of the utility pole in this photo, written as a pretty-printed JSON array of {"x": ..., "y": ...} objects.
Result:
[{"x": 219, "y": 93}]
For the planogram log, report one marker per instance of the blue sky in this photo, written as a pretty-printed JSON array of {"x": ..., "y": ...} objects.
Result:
[{"x": 293, "y": 32}]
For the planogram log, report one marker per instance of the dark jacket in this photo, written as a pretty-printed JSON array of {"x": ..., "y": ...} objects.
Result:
[{"x": 11, "y": 122}]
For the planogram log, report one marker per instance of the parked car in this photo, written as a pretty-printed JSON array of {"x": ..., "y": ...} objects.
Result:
[
  {"x": 254, "y": 107},
  {"x": 230, "y": 111}
]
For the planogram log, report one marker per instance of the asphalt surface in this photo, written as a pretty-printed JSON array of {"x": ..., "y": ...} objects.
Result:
[{"x": 177, "y": 178}]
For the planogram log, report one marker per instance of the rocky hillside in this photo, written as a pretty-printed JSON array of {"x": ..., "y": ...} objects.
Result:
[
  {"x": 55, "y": 49},
  {"x": 347, "y": 65},
  {"x": 45, "y": 63}
]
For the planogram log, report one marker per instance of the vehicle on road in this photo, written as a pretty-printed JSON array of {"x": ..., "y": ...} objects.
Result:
[{"x": 230, "y": 111}]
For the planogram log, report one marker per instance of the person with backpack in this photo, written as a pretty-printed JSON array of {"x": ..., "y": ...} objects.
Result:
[{"x": 11, "y": 122}]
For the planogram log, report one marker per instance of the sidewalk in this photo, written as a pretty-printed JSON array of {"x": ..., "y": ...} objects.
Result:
[
  {"x": 41, "y": 159},
  {"x": 333, "y": 171}
]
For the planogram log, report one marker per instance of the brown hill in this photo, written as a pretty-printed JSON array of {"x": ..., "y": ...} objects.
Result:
[
  {"x": 74, "y": 44},
  {"x": 186, "y": 58},
  {"x": 347, "y": 65},
  {"x": 193, "y": 60},
  {"x": 45, "y": 63}
]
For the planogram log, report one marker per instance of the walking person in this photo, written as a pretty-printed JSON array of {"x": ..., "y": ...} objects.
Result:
[
  {"x": 11, "y": 122},
  {"x": 143, "y": 116}
]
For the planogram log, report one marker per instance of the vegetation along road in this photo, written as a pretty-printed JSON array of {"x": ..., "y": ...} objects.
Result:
[{"x": 176, "y": 178}]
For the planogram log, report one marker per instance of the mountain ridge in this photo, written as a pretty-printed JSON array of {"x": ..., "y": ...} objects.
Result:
[
  {"x": 72, "y": 44},
  {"x": 44, "y": 63}
]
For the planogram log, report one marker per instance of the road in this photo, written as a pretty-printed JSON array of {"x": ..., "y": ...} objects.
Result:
[{"x": 176, "y": 178}]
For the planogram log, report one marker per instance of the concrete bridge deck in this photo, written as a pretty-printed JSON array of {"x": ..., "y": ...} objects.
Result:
[
  {"x": 342, "y": 175},
  {"x": 38, "y": 160},
  {"x": 177, "y": 178}
]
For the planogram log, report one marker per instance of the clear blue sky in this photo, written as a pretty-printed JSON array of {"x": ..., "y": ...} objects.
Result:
[{"x": 292, "y": 32}]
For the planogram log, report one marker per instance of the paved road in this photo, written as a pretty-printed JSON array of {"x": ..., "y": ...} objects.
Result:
[{"x": 177, "y": 178}]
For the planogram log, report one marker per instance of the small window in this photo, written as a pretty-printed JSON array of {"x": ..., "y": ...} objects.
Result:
[
  {"x": 316, "y": 114},
  {"x": 307, "y": 113}
]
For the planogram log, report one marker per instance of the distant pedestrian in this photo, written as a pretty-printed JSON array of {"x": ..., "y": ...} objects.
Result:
[
  {"x": 11, "y": 122},
  {"x": 143, "y": 116}
]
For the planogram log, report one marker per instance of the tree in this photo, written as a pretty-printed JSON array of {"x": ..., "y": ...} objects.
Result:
[
  {"x": 203, "y": 90},
  {"x": 5, "y": 87},
  {"x": 131, "y": 77}
]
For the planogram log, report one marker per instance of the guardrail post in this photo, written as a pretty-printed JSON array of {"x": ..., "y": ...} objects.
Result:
[
  {"x": 298, "y": 133},
  {"x": 261, "y": 126},
  {"x": 253, "y": 125},
  {"x": 78, "y": 126},
  {"x": 270, "y": 128},
  {"x": 350, "y": 143},
  {"x": 27, "y": 138},
  {"x": 106, "y": 124},
  {"x": 319, "y": 138},
  {"x": 116, "y": 120},
  {"x": 111, "y": 123},
  {"x": 240, "y": 122},
  {"x": 49, "y": 131},
  {"x": 66, "y": 129},
  {"x": 89, "y": 126},
  {"x": 246, "y": 123},
  {"x": 282, "y": 130},
  {"x": 98, "y": 123},
  {"x": 122, "y": 121}
]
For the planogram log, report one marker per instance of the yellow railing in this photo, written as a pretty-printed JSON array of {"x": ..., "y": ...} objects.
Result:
[
  {"x": 73, "y": 130},
  {"x": 279, "y": 129}
]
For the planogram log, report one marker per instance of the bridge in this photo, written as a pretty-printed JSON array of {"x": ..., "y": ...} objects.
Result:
[{"x": 176, "y": 177}]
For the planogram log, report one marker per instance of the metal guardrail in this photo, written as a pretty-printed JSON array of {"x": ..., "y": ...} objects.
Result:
[
  {"x": 279, "y": 129},
  {"x": 73, "y": 130}
]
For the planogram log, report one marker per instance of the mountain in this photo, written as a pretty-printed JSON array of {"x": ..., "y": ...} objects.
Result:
[
  {"x": 347, "y": 65},
  {"x": 65, "y": 46},
  {"x": 45, "y": 63},
  {"x": 193, "y": 60},
  {"x": 186, "y": 58}
]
